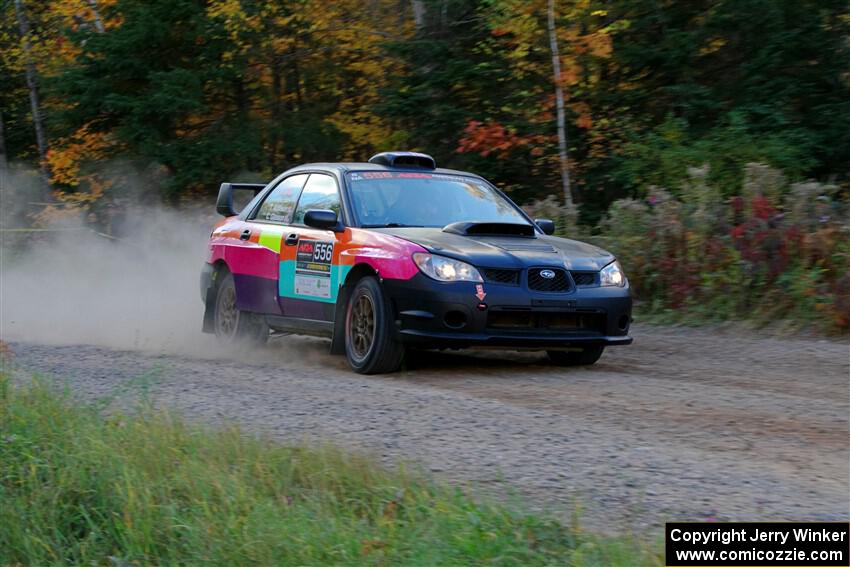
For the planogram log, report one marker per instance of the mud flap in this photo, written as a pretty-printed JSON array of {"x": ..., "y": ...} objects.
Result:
[
  {"x": 209, "y": 285},
  {"x": 338, "y": 338},
  {"x": 208, "y": 325}
]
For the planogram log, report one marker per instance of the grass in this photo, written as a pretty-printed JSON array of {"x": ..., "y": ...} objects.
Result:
[{"x": 145, "y": 488}]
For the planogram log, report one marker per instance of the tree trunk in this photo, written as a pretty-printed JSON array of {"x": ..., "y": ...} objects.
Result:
[
  {"x": 98, "y": 23},
  {"x": 32, "y": 85},
  {"x": 276, "y": 112},
  {"x": 419, "y": 11},
  {"x": 559, "y": 102},
  {"x": 4, "y": 161}
]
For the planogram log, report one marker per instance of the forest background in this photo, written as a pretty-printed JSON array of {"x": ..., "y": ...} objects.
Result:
[{"x": 707, "y": 142}]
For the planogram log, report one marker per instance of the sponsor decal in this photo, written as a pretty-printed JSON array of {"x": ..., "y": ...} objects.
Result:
[
  {"x": 313, "y": 268},
  {"x": 312, "y": 286},
  {"x": 479, "y": 292},
  {"x": 415, "y": 175},
  {"x": 371, "y": 175}
]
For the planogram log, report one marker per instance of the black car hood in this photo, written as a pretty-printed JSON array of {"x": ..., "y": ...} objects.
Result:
[{"x": 506, "y": 251}]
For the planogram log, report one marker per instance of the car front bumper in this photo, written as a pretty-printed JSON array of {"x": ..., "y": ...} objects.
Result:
[{"x": 436, "y": 314}]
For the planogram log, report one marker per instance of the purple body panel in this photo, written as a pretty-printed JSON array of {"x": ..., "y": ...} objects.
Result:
[
  {"x": 306, "y": 309},
  {"x": 256, "y": 294}
]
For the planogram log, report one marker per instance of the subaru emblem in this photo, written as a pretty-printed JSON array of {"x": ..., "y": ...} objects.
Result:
[{"x": 548, "y": 274}]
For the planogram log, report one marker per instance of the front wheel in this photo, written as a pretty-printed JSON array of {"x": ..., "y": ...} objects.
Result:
[
  {"x": 584, "y": 357},
  {"x": 369, "y": 343},
  {"x": 233, "y": 326}
]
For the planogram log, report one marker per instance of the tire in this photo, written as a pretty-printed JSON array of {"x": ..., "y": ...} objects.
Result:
[
  {"x": 232, "y": 326},
  {"x": 584, "y": 357},
  {"x": 370, "y": 345}
]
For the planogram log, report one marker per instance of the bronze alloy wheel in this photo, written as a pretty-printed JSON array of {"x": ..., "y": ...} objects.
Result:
[
  {"x": 361, "y": 327},
  {"x": 226, "y": 313},
  {"x": 233, "y": 326},
  {"x": 370, "y": 344}
]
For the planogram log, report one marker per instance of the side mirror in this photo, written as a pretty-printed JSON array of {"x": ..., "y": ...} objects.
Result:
[
  {"x": 224, "y": 203},
  {"x": 547, "y": 226},
  {"x": 324, "y": 219}
]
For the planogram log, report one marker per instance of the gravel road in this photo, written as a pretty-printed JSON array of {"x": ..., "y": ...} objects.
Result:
[{"x": 684, "y": 424}]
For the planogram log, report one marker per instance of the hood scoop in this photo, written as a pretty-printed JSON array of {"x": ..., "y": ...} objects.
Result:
[
  {"x": 521, "y": 246},
  {"x": 490, "y": 229}
]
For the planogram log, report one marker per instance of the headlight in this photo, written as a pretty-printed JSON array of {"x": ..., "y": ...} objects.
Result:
[
  {"x": 612, "y": 274},
  {"x": 445, "y": 269}
]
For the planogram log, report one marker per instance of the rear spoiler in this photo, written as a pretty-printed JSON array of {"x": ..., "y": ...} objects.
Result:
[{"x": 224, "y": 203}]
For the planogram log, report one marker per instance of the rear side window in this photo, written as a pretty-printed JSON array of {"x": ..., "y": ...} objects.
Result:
[
  {"x": 319, "y": 193},
  {"x": 279, "y": 204}
]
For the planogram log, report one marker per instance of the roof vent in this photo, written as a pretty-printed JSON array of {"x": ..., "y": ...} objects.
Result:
[{"x": 404, "y": 159}]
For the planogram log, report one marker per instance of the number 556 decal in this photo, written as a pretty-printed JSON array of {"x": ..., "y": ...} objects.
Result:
[
  {"x": 313, "y": 268},
  {"x": 323, "y": 252}
]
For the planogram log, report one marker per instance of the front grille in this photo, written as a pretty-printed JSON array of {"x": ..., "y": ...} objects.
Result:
[
  {"x": 499, "y": 276},
  {"x": 585, "y": 278},
  {"x": 545, "y": 321},
  {"x": 559, "y": 283}
]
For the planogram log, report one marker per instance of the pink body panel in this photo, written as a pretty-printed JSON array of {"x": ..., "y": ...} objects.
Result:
[
  {"x": 391, "y": 257},
  {"x": 242, "y": 256}
]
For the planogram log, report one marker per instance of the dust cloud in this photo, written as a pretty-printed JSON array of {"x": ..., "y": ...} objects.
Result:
[
  {"x": 140, "y": 291},
  {"x": 71, "y": 283}
]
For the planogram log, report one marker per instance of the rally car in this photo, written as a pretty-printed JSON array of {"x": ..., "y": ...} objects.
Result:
[{"x": 395, "y": 254}]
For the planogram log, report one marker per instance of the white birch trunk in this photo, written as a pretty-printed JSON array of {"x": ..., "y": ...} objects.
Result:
[
  {"x": 32, "y": 85},
  {"x": 98, "y": 23},
  {"x": 4, "y": 160},
  {"x": 559, "y": 102},
  {"x": 418, "y": 13}
]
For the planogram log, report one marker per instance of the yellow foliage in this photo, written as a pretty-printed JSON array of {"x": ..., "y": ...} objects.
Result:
[
  {"x": 358, "y": 79},
  {"x": 599, "y": 44},
  {"x": 712, "y": 46},
  {"x": 67, "y": 154}
]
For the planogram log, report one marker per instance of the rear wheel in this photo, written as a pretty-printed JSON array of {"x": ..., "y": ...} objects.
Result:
[
  {"x": 233, "y": 326},
  {"x": 369, "y": 343},
  {"x": 584, "y": 357}
]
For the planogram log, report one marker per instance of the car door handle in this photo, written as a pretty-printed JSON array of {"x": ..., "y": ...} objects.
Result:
[
  {"x": 291, "y": 240},
  {"x": 246, "y": 234}
]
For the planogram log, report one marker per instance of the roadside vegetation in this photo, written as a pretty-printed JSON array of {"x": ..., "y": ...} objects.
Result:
[
  {"x": 777, "y": 253},
  {"x": 81, "y": 487}
]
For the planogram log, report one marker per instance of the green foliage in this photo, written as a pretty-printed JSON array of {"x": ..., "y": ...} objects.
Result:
[
  {"x": 723, "y": 83},
  {"x": 78, "y": 488},
  {"x": 454, "y": 71},
  {"x": 663, "y": 156},
  {"x": 152, "y": 80}
]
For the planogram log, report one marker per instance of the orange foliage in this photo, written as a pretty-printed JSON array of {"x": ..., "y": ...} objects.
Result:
[{"x": 493, "y": 138}]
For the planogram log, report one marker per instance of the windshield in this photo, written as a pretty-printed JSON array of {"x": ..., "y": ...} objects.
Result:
[{"x": 385, "y": 198}]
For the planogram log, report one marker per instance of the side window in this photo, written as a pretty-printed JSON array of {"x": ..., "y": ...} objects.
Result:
[
  {"x": 279, "y": 204},
  {"x": 319, "y": 193}
]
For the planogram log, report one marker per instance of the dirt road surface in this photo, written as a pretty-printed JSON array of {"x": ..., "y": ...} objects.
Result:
[{"x": 684, "y": 424}]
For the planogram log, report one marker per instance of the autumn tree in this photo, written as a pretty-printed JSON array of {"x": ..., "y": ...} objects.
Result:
[{"x": 186, "y": 93}]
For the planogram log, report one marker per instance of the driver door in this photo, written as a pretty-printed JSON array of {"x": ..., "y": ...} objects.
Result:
[{"x": 310, "y": 271}]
